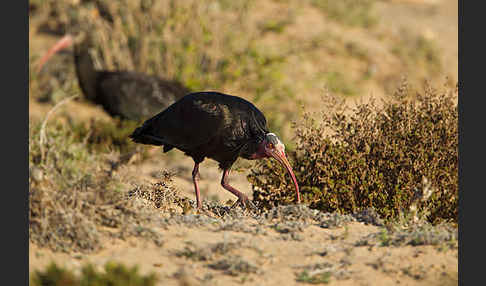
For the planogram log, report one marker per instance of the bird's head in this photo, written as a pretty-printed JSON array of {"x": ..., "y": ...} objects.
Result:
[
  {"x": 273, "y": 147},
  {"x": 63, "y": 43},
  {"x": 80, "y": 40}
]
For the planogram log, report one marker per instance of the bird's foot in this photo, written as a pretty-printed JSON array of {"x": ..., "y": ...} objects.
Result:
[{"x": 244, "y": 202}]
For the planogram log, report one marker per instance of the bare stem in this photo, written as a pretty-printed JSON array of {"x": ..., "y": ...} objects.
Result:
[{"x": 42, "y": 136}]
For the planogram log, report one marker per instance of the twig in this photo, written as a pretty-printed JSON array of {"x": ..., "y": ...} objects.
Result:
[{"x": 42, "y": 137}]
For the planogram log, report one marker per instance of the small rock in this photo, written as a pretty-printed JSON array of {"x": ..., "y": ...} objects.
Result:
[{"x": 36, "y": 173}]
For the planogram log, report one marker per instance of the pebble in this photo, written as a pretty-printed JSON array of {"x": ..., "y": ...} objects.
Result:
[{"x": 36, "y": 173}]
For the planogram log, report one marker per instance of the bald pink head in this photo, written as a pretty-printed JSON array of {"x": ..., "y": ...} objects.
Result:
[{"x": 273, "y": 147}]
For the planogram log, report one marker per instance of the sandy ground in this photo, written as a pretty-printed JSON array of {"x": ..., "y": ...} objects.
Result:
[
  {"x": 276, "y": 260},
  {"x": 258, "y": 252}
]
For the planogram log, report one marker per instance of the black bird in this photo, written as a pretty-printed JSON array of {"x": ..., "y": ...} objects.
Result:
[
  {"x": 127, "y": 94},
  {"x": 217, "y": 126}
]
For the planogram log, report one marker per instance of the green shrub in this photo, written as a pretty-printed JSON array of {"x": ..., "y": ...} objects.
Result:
[
  {"x": 373, "y": 156},
  {"x": 320, "y": 278},
  {"x": 114, "y": 274}
]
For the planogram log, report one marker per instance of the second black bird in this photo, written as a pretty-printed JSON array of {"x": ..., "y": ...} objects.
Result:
[{"x": 127, "y": 94}]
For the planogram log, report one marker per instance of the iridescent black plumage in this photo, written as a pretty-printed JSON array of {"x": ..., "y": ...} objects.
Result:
[
  {"x": 217, "y": 126},
  {"x": 130, "y": 95},
  {"x": 207, "y": 124}
]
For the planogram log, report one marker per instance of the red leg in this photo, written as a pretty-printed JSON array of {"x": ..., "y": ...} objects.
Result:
[
  {"x": 242, "y": 198},
  {"x": 195, "y": 173}
]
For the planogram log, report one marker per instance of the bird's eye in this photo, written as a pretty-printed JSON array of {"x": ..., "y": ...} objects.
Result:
[{"x": 270, "y": 145}]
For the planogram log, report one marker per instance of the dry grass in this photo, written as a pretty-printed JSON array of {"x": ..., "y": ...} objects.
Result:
[{"x": 76, "y": 199}]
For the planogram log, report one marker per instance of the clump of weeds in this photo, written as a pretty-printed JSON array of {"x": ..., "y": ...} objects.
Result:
[{"x": 113, "y": 274}]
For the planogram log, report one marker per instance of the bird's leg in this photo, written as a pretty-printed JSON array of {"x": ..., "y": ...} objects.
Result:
[
  {"x": 195, "y": 178},
  {"x": 242, "y": 198}
]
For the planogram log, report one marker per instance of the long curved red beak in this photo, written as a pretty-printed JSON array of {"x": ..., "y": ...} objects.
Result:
[
  {"x": 280, "y": 157},
  {"x": 63, "y": 43}
]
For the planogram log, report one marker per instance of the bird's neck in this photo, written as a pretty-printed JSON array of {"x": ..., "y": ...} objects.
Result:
[
  {"x": 260, "y": 153},
  {"x": 256, "y": 156},
  {"x": 85, "y": 71}
]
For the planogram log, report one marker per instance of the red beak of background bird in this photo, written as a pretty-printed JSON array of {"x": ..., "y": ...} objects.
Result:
[
  {"x": 65, "y": 42},
  {"x": 279, "y": 155}
]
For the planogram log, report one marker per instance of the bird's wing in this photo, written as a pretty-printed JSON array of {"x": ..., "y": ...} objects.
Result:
[
  {"x": 258, "y": 124},
  {"x": 188, "y": 123}
]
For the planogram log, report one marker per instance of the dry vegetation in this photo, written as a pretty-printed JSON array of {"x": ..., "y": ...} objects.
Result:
[
  {"x": 396, "y": 156},
  {"x": 256, "y": 50},
  {"x": 75, "y": 197},
  {"x": 377, "y": 177}
]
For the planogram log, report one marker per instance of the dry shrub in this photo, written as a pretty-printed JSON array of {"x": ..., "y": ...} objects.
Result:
[
  {"x": 161, "y": 195},
  {"x": 75, "y": 198},
  {"x": 235, "y": 265},
  {"x": 78, "y": 220},
  {"x": 375, "y": 156},
  {"x": 445, "y": 236},
  {"x": 321, "y": 273}
]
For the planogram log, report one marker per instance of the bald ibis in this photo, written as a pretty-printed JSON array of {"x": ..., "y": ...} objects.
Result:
[
  {"x": 217, "y": 126},
  {"x": 127, "y": 94}
]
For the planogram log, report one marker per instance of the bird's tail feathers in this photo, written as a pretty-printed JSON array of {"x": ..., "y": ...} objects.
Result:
[{"x": 141, "y": 136}]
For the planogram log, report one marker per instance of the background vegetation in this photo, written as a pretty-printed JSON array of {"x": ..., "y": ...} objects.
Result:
[{"x": 268, "y": 52}]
